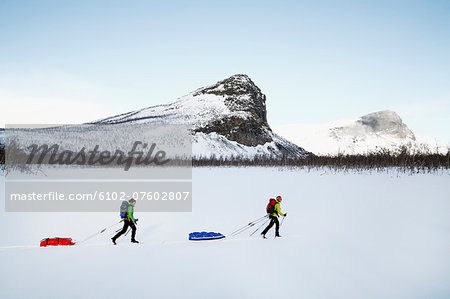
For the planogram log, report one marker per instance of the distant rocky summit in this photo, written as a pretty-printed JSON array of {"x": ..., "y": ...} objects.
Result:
[
  {"x": 381, "y": 124},
  {"x": 369, "y": 133}
]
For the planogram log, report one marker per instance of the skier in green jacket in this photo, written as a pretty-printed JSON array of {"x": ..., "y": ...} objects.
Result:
[
  {"x": 128, "y": 221},
  {"x": 274, "y": 219}
]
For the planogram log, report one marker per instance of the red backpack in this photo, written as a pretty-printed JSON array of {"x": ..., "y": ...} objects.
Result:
[{"x": 271, "y": 206}]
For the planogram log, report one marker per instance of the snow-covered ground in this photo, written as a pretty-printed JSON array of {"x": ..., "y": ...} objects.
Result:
[{"x": 346, "y": 236}]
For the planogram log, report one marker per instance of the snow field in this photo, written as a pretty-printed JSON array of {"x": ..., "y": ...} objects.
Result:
[{"x": 346, "y": 236}]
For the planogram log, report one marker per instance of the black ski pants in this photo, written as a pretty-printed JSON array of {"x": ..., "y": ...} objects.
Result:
[
  {"x": 273, "y": 220},
  {"x": 127, "y": 223}
]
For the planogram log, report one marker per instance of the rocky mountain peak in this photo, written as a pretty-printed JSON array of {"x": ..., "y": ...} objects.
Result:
[
  {"x": 241, "y": 94},
  {"x": 386, "y": 122},
  {"x": 233, "y": 109}
]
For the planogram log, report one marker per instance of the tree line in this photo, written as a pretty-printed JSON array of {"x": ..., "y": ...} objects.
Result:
[{"x": 404, "y": 159}]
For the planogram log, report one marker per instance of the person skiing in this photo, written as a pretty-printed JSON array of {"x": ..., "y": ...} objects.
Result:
[
  {"x": 273, "y": 216},
  {"x": 128, "y": 221}
]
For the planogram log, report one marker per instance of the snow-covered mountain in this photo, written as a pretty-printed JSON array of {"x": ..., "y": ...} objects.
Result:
[
  {"x": 228, "y": 119},
  {"x": 369, "y": 133}
]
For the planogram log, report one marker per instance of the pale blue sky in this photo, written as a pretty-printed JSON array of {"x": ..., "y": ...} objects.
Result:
[{"x": 317, "y": 61}]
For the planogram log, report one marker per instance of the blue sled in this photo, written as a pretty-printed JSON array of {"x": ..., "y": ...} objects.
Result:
[{"x": 203, "y": 236}]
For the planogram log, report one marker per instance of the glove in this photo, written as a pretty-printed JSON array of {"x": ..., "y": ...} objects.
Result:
[
  {"x": 136, "y": 220},
  {"x": 285, "y": 214}
]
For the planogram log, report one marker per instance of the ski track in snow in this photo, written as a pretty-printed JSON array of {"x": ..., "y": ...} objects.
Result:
[{"x": 345, "y": 236}]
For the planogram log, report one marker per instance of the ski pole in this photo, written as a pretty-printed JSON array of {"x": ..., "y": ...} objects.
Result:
[
  {"x": 249, "y": 224},
  {"x": 102, "y": 231},
  {"x": 259, "y": 227},
  {"x": 244, "y": 228},
  {"x": 282, "y": 221}
]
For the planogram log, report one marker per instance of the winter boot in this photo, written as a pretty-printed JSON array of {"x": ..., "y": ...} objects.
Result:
[
  {"x": 134, "y": 241},
  {"x": 114, "y": 241},
  {"x": 263, "y": 235}
]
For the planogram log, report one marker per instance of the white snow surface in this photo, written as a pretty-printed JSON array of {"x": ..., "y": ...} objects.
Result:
[{"x": 380, "y": 235}]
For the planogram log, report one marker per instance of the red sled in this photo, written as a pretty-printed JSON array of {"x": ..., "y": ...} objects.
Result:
[{"x": 57, "y": 242}]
